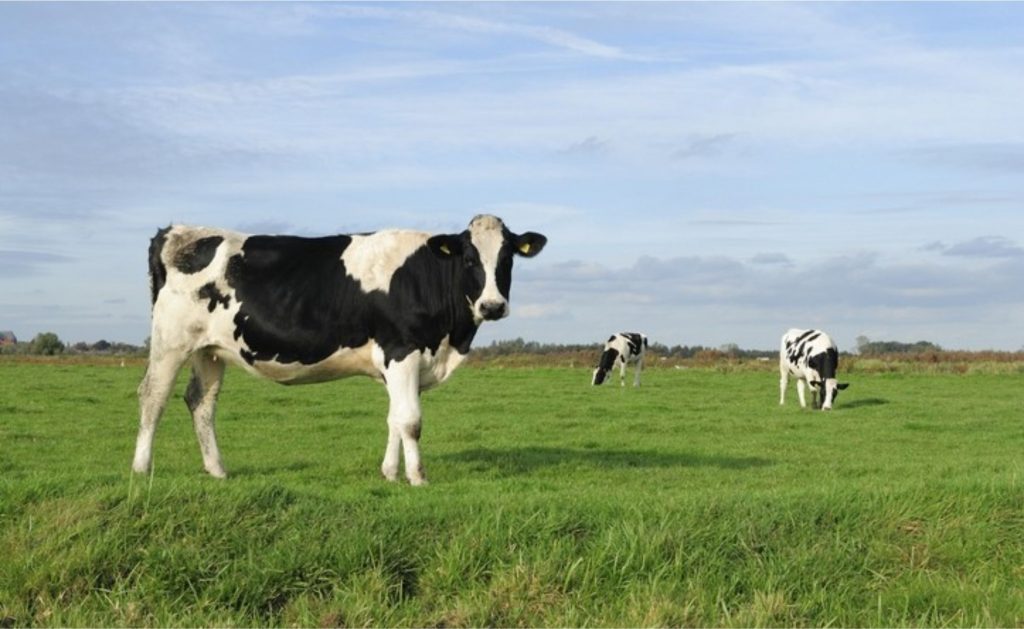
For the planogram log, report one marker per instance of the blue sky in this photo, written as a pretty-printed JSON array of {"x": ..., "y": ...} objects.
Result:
[{"x": 707, "y": 173}]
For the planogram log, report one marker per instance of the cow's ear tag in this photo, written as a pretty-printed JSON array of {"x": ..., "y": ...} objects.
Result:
[
  {"x": 524, "y": 248},
  {"x": 445, "y": 250}
]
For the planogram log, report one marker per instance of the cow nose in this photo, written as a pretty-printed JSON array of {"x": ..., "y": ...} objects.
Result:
[{"x": 492, "y": 310}]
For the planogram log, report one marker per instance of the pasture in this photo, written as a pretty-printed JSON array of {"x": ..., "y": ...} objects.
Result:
[{"x": 693, "y": 501}]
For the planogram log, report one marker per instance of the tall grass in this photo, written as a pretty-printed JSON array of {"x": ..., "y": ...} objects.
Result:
[{"x": 695, "y": 500}]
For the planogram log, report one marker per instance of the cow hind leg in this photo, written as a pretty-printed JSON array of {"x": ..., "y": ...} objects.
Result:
[
  {"x": 404, "y": 421},
  {"x": 201, "y": 399},
  {"x": 155, "y": 388},
  {"x": 800, "y": 392},
  {"x": 639, "y": 369}
]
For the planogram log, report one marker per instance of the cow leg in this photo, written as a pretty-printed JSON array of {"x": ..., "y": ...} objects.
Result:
[
  {"x": 639, "y": 368},
  {"x": 153, "y": 391},
  {"x": 404, "y": 420},
  {"x": 622, "y": 372},
  {"x": 201, "y": 399},
  {"x": 800, "y": 392},
  {"x": 783, "y": 383}
]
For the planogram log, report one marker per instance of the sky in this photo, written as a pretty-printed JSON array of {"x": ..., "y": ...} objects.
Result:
[{"x": 706, "y": 173}]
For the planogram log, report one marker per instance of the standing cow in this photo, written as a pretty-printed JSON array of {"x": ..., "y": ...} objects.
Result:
[
  {"x": 399, "y": 306},
  {"x": 622, "y": 348},
  {"x": 812, "y": 357}
]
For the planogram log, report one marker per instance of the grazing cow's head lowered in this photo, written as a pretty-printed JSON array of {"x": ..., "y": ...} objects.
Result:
[
  {"x": 400, "y": 306},
  {"x": 812, "y": 357},
  {"x": 486, "y": 250}
]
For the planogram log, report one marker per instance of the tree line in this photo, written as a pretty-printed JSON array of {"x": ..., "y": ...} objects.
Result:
[{"x": 50, "y": 344}]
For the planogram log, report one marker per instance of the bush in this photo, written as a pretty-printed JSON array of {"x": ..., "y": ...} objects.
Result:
[{"x": 47, "y": 344}]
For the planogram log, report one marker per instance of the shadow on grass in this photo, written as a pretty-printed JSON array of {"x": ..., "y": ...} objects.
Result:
[
  {"x": 871, "y": 401},
  {"x": 523, "y": 460}
]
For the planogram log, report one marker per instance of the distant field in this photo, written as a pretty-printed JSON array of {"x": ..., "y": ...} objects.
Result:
[{"x": 695, "y": 500}]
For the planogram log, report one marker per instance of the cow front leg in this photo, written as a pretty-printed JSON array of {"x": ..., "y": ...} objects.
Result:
[
  {"x": 783, "y": 383},
  {"x": 404, "y": 420},
  {"x": 201, "y": 399}
]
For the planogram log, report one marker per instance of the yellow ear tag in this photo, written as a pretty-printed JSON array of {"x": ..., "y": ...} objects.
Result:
[
  {"x": 445, "y": 250},
  {"x": 524, "y": 248}
]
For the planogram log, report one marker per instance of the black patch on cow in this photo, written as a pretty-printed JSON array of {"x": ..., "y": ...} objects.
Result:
[
  {"x": 608, "y": 359},
  {"x": 211, "y": 292},
  {"x": 298, "y": 303},
  {"x": 825, "y": 363},
  {"x": 803, "y": 343},
  {"x": 157, "y": 270},
  {"x": 196, "y": 256}
]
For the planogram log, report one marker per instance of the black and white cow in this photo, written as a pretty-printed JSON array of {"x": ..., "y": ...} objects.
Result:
[
  {"x": 812, "y": 357},
  {"x": 622, "y": 348},
  {"x": 399, "y": 306}
]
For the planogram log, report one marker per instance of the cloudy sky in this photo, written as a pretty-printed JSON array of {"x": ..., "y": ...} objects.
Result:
[{"x": 707, "y": 173}]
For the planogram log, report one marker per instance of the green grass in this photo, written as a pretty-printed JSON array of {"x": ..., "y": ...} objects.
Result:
[{"x": 695, "y": 500}]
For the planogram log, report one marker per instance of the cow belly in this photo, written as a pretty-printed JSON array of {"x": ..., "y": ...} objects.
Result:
[{"x": 341, "y": 364}]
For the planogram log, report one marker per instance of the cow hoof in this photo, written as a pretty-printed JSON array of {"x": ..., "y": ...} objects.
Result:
[
  {"x": 389, "y": 475},
  {"x": 418, "y": 482},
  {"x": 218, "y": 473}
]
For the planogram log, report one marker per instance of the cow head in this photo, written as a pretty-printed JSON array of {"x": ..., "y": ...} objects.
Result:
[
  {"x": 828, "y": 393},
  {"x": 826, "y": 386},
  {"x": 486, "y": 250},
  {"x": 607, "y": 362}
]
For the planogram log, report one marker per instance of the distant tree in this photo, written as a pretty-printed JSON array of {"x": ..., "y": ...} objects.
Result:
[
  {"x": 730, "y": 349},
  {"x": 47, "y": 344},
  {"x": 101, "y": 346}
]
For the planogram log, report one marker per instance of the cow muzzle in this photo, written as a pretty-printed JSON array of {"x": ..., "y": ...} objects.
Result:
[{"x": 492, "y": 310}]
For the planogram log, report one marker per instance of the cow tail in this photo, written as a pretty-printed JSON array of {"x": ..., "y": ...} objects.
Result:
[{"x": 157, "y": 270}]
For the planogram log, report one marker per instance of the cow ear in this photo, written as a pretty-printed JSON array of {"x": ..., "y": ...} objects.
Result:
[
  {"x": 842, "y": 385},
  {"x": 445, "y": 245},
  {"x": 530, "y": 244}
]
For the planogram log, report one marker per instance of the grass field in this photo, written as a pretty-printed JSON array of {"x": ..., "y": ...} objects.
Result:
[{"x": 695, "y": 500}]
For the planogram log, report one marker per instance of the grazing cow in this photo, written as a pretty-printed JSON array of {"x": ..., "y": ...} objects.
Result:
[
  {"x": 624, "y": 347},
  {"x": 399, "y": 306},
  {"x": 812, "y": 357}
]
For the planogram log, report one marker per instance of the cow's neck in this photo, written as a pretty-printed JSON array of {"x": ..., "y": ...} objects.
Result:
[{"x": 461, "y": 324}]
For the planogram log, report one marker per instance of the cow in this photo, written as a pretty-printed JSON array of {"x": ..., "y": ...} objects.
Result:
[
  {"x": 622, "y": 348},
  {"x": 399, "y": 306},
  {"x": 812, "y": 357}
]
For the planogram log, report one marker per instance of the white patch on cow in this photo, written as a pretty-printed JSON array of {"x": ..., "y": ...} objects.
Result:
[
  {"x": 372, "y": 259},
  {"x": 488, "y": 235}
]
